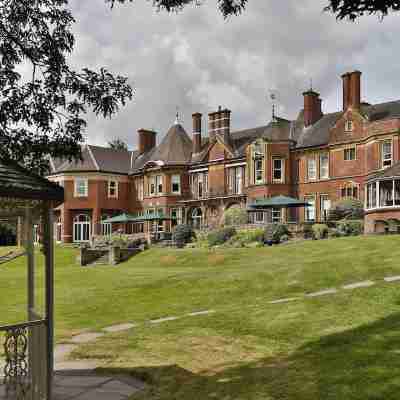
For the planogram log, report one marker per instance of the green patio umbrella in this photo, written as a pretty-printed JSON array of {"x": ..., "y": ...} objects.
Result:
[
  {"x": 277, "y": 202},
  {"x": 122, "y": 218}
]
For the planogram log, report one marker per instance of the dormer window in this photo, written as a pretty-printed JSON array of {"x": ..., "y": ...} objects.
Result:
[{"x": 348, "y": 126}]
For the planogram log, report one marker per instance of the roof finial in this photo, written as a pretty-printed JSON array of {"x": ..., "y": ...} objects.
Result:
[
  {"x": 272, "y": 96},
  {"x": 311, "y": 88},
  {"x": 177, "y": 116}
]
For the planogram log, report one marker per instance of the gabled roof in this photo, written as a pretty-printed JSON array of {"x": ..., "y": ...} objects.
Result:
[
  {"x": 97, "y": 159},
  {"x": 175, "y": 149},
  {"x": 318, "y": 134},
  {"x": 18, "y": 182}
]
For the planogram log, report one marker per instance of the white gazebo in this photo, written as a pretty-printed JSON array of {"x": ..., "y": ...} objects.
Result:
[{"x": 27, "y": 364}]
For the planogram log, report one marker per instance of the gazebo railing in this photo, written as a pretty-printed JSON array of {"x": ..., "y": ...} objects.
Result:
[{"x": 24, "y": 371}]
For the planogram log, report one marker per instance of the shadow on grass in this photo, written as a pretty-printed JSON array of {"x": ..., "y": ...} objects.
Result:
[{"x": 360, "y": 364}]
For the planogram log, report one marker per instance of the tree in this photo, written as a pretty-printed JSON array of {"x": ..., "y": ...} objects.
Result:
[
  {"x": 118, "y": 144},
  {"x": 42, "y": 112},
  {"x": 344, "y": 9},
  {"x": 352, "y": 9}
]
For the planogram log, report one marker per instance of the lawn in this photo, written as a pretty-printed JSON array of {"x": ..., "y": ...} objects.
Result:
[{"x": 341, "y": 346}]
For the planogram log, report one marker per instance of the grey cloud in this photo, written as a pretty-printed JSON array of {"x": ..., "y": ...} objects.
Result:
[{"x": 197, "y": 61}]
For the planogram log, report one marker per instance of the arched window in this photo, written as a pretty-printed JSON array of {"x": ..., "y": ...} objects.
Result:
[
  {"x": 197, "y": 218},
  {"x": 81, "y": 228}
]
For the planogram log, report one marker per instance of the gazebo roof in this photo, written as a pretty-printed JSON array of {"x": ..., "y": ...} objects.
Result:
[
  {"x": 124, "y": 218},
  {"x": 277, "y": 201},
  {"x": 19, "y": 183},
  {"x": 154, "y": 217}
]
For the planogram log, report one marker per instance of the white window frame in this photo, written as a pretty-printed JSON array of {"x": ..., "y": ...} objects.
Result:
[
  {"x": 349, "y": 125},
  {"x": 276, "y": 215},
  {"x": 159, "y": 182},
  {"x": 177, "y": 178},
  {"x": 77, "y": 181},
  {"x": 348, "y": 149},
  {"x": 310, "y": 161},
  {"x": 311, "y": 200},
  {"x": 140, "y": 189},
  {"x": 115, "y": 196},
  {"x": 80, "y": 228},
  {"x": 152, "y": 186},
  {"x": 258, "y": 180},
  {"x": 322, "y": 199},
  {"x": 324, "y": 155},
  {"x": 350, "y": 188},
  {"x": 177, "y": 212},
  {"x": 386, "y": 161},
  {"x": 281, "y": 169},
  {"x": 258, "y": 220}
]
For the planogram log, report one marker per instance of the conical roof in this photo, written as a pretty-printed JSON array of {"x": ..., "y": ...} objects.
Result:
[{"x": 175, "y": 148}]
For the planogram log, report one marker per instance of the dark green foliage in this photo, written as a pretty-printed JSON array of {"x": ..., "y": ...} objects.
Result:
[
  {"x": 343, "y": 9},
  {"x": 118, "y": 144},
  {"x": 347, "y": 208},
  {"x": 352, "y": 9},
  {"x": 350, "y": 227},
  {"x": 227, "y": 7},
  {"x": 320, "y": 231},
  {"x": 182, "y": 235},
  {"x": 220, "y": 236},
  {"x": 274, "y": 232},
  {"x": 307, "y": 230},
  {"x": 42, "y": 113},
  {"x": 235, "y": 216}
]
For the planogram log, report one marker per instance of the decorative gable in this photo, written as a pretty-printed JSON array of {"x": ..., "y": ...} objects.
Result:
[{"x": 348, "y": 128}]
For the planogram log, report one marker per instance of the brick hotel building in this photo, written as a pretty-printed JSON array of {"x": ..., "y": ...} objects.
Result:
[{"x": 318, "y": 157}]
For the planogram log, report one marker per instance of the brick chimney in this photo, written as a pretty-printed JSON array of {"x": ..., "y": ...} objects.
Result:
[
  {"x": 351, "y": 90},
  {"x": 147, "y": 140},
  {"x": 213, "y": 125},
  {"x": 225, "y": 124},
  {"x": 312, "y": 107},
  {"x": 196, "y": 132}
]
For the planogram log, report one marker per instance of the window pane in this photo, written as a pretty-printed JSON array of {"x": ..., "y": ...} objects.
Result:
[
  {"x": 277, "y": 166},
  {"x": 324, "y": 166},
  {"x": 310, "y": 210},
  {"x": 312, "y": 169},
  {"x": 386, "y": 193}
]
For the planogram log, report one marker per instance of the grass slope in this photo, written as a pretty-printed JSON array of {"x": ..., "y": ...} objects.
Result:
[{"x": 343, "y": 346}]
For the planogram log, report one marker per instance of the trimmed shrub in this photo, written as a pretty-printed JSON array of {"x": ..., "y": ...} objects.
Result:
[
  {"x": 274, "y": 232},
  {"x": 320, "y": 231},
  {"x": 346, "y": 208},
  {"x": 307, "y": 230},
  {"x": 350, "y": 227},
  {"x": 235, "y": 216},
  {"x": 245, "y": 237},
  {"x": 182, "y": 235},
  {"x": 220, "y": 236}
]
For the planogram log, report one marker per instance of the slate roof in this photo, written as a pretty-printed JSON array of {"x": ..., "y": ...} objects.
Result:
[
  {"x": 97, "y": 159},
  {"x": 18, "y": 182},
  {"x": 390, "y": 172},
  {"x": 175, "y": 149}
]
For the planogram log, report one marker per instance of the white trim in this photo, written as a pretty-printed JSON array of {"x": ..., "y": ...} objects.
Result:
[
  {"x": 93, "y": 159},
  {"x": 198, "y": 170},
  {"x": 76, "y": 194},
  {"x": 239, "y": 164}
]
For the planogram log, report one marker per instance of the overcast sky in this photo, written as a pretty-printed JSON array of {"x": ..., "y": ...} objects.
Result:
[{"x": 196, "y": 60}]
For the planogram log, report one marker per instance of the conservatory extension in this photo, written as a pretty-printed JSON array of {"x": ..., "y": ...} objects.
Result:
[{"x": 382, "y": 201}]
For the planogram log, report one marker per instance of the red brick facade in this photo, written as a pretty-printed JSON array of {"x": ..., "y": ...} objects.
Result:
[{"x": 316, "y": 156}]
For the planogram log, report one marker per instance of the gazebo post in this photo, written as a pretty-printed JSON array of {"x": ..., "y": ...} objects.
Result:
[{"x": 49, "y": 262}]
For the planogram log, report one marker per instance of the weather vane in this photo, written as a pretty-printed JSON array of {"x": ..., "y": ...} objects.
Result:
[
  {"x": 177, "y": 116},
  {"x": 272, "y": 96}
]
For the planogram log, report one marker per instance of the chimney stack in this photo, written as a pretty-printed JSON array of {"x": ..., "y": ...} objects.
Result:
[
  {"x": 225, "y": 124},
  {"x": 351, "y": 90},
  {"x": 147, "y": 140},
  {"x": 196, "y": 132},
  {"x": 312, "y": 107},
  {"x": 212, "y": 125}
]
